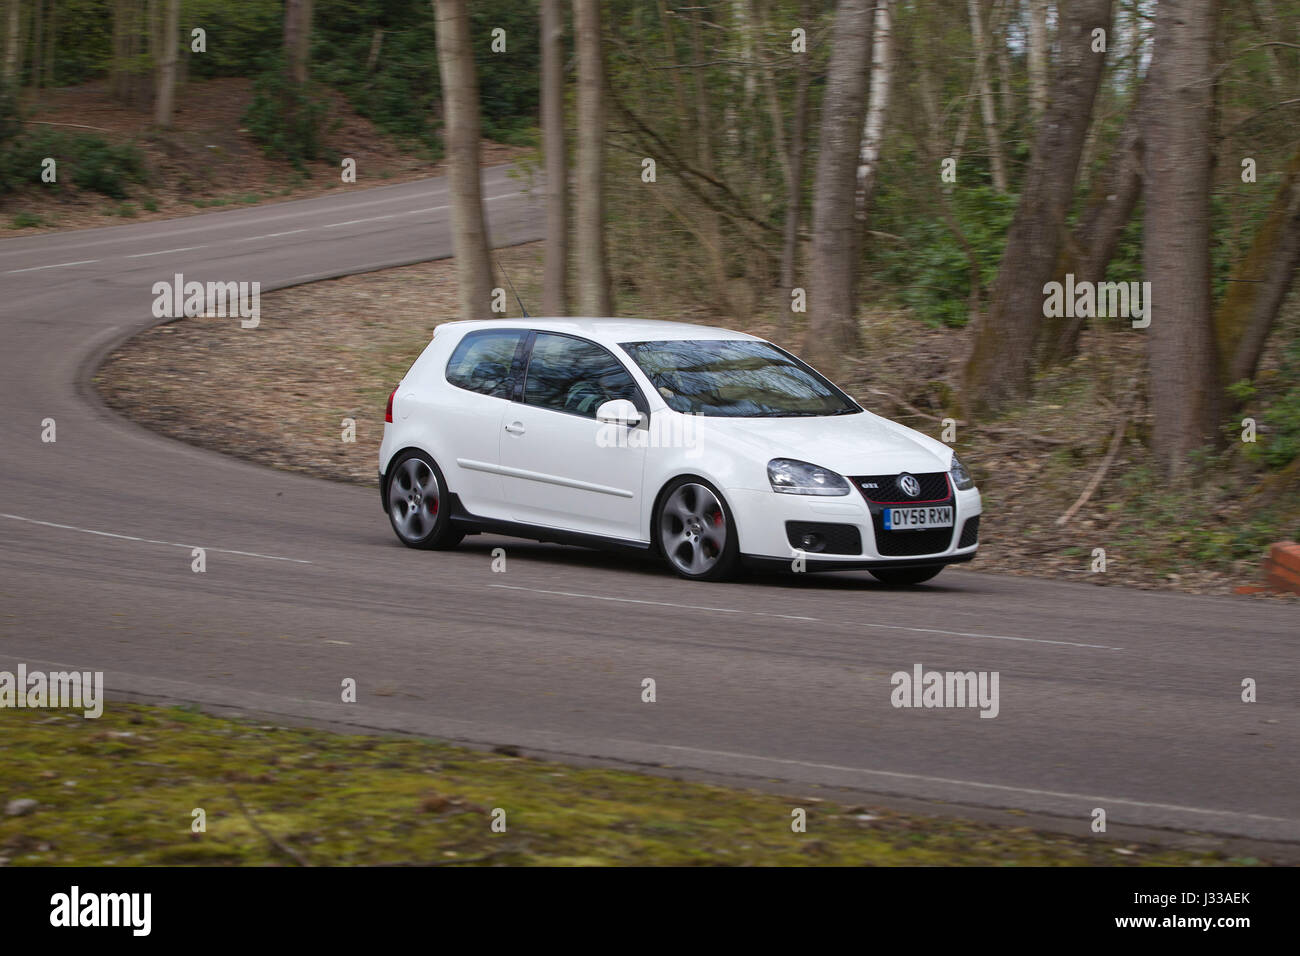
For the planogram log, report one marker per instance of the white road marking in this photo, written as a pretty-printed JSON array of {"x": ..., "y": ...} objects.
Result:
[
  {"x": 992, "y": 637},
  {"x": 795, "y": 617},
  {"x": 174, "y": 544},
  {"x": 353, "y": 222},
  {"x": 163, "y": 252},
  {"x": 57, "y": 265},
  {"x": 270, "y": 235},
  {"x": 604, "y": 597},
  {"x": 897, "y": 775}
]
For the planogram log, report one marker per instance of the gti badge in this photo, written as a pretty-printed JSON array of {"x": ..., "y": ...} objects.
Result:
[{"x": 908, "y": 485}]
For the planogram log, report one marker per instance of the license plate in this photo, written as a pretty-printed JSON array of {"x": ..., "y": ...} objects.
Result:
[{"x": 918, "y": 519}]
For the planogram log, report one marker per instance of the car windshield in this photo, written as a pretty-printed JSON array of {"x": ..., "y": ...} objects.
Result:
[{"x": 738, "y": 378}]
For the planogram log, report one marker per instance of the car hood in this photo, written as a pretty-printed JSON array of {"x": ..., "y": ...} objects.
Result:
[{"x": 862, "y": 444}]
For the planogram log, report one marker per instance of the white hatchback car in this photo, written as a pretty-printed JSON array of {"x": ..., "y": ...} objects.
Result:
[{"x": 707, "y": 446}]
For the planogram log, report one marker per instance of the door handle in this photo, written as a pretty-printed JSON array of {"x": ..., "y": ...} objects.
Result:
[{"x": 515, "y": 428}]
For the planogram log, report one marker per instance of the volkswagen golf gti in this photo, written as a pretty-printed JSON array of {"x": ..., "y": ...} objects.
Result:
[{"x": 711, "y": 448}]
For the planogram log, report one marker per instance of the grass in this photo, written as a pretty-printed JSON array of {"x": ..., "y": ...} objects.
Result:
[
  {"x": 122, "y": 790},
  {"x": 24, "y": 220}
]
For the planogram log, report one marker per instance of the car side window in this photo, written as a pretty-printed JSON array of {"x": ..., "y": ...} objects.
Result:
[
  {"x": 481, "y": 362},
  {"x": 572, "y": 375}
]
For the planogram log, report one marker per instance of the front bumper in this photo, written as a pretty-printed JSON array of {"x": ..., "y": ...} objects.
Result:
[{"x": 849, "y": 530}]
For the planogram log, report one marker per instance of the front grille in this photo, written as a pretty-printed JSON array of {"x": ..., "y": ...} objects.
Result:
[
  {"x": 970, "y": 532},
  {"x": 898, "y": 544},
  {"x": 934, "y": 487},
  {"x": 835, "y": 538}
]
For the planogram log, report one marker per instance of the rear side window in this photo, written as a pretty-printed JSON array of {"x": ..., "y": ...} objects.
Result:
[
  {"x": 575, "y": 376},
  {"x": 482, "y": 362}
]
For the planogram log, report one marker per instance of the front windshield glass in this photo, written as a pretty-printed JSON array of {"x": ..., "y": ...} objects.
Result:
[{"x": 739, "y": 378}]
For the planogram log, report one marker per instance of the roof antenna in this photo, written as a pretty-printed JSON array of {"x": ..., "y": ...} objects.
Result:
[{"x": 512, "y": 289}]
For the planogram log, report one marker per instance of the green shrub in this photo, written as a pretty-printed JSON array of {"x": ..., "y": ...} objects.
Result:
[
  {"x": 1278, "y": 441},
  {"x": 105, "y": 168},
  {"x": 286, "y": 120},
  {"x": 88, "y": 161},
  {"x": 929, "y": 266}
]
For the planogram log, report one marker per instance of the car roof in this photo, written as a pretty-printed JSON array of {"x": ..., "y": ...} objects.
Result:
[{"x": 607, "y": 331}]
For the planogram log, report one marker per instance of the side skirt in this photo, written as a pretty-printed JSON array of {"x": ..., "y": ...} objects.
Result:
[{"x": 473, "y": 524}]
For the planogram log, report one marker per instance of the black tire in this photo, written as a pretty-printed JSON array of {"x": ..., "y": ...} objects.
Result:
[
  {"x": 418, "y": 503},
  {"x": 902, "y": 577},
  {"x": 695, "y": 532}
]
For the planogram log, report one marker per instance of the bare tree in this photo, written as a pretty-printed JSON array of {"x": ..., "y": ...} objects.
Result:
[
  {"x": 1003, "y": 339},
  {"x": 1183, "y": 381},
  {"x": 992, "y": 138},
  {"x": 593, "y": 266},
  {"x": 461, "y": 115},
  {"x": 832, "y": 326},
  {"x": 165, "y": 97},
  {"x": 873, "y": 132},
  {"x": 555, "y": 292}
]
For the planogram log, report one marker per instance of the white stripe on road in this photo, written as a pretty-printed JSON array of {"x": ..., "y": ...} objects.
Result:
[
  {"x": 891, "y": 627},
  {"x": 1003, "y": 788},
  {"x": 270, "y": 235},
  {"x": 57, "y": 265},
  {"x": 605, "y": 597},
  {"x": 163, "y": 252},
  {"x": 173, "y": 544}
]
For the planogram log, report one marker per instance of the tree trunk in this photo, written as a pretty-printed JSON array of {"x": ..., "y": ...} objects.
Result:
[
  {"x": 798, "y": 148},
  {"x": 1183, "y": 384},
  {"x": 593, "y": 267},
  {"x": 51, "y": 38},
  {"x": 991, "y": 136},
  {"x": 710, "y": 230},
  {"x": 13, "y": 30},
  {"x": 555, "y": 293},
  {"x": 297, "y": 39},
  {"x": 873, "y": 132},
  {"x": 37, "y": 23},
  {"x": 999, "y": 366},
  {"x": 461, "y": 115},
  {"x": 1261, "y": 282},
  {"x": 1089, "y": 250},
  {"x": 832, "y": 326},
  {"x": 1037, "y": 58},
  {"x": 165, "y": 99}
]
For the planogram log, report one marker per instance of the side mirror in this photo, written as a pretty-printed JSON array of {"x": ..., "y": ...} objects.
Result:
[{"x": 619, "y": 411}]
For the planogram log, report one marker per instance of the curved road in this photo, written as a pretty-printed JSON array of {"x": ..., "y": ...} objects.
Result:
[{"x": 1112, "y": 698}]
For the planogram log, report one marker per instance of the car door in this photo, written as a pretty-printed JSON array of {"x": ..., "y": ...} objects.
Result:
[
  {"x": 482, "y": 372},
  {"x": 560, "y": 467}
]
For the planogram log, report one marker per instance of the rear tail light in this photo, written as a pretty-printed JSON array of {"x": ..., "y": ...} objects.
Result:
[{"x": 388, "y": 412}]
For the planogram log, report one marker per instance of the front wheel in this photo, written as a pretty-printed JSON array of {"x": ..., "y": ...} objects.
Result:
[
  {"x": 417, "y": 503},
  {"x": 695, "y": 531},
  {"x": 901, "y": 577}
]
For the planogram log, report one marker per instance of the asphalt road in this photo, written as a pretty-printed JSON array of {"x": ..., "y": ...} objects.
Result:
[{"x": 1112, "y": 698}]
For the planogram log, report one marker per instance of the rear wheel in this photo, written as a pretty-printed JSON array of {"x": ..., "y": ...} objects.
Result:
[
  {"x": 695, "y": 531},
  {"x": 900, "y": 577},
  {"x": 417, "y": 499}
]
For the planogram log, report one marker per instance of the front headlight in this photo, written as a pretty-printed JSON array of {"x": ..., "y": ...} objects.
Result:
[
  {"x": 961, "y": 478},
  {"x": 791, "y": 477}
]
